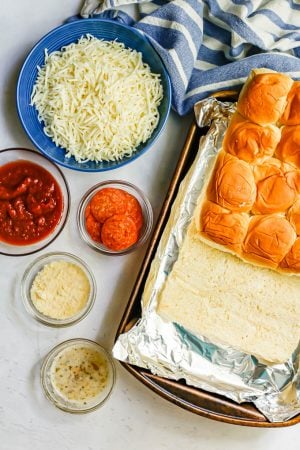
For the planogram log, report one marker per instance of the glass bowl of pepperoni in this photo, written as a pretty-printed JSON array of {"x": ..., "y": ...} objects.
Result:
[
  {"x": 34, "y": 201},
  {"x": 114, "y": 217}
]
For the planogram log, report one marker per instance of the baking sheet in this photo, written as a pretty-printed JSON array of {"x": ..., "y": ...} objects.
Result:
[{"x": 167, "y": 349}]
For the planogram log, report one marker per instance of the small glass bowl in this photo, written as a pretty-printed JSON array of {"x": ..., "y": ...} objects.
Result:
[
  {"x": 17, "y": 154},
  {"x": 131, "y": 189},
  {"x": 55, "y": 396},
  {"x": 29, "y": 276}
]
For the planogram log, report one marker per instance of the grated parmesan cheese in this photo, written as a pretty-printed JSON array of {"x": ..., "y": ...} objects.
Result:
[
  {"x": 97, "y": 99},
  {"x": 60, "y": 290}
]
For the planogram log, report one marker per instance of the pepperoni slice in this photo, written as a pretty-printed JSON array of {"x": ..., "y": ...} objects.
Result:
[
  {"x": 119, "y": 232},
  {"x": 107, "y": 203},
  {"x": 124, "y": 208},
  {"x": 93, "y": 228},
  {"x": 134, "y": 210},
  {"x": 87, "y": 211}
]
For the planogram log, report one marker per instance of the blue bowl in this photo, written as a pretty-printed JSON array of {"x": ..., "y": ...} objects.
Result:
[{"x": 55, "y": 40}]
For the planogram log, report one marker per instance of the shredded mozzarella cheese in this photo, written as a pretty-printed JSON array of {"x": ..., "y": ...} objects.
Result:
[{"x": 97, "y": 99}]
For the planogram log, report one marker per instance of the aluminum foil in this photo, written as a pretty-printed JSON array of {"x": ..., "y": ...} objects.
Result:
[{"x": 169, "y": 350}]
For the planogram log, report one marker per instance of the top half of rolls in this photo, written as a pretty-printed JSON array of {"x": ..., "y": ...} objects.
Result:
[
  {"x": 232, "y": 185},
  {"x": 291, "y": 114},
  {"x": 263, "y": 98},
  {"x": 249, "y": 141}
]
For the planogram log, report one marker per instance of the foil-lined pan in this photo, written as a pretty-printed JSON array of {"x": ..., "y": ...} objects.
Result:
[{"x": 169, "y": 350}]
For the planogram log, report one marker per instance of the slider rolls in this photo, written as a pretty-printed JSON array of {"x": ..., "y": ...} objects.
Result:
[
  {"x": 263, "y": 98},
  {"x": 251, "y": 205},
  {"x": 249, "y": 141}
]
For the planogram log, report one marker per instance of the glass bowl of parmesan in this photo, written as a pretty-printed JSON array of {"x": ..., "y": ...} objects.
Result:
[
  {"x": 78, "y": 375},
  {"x": 58, "y": 289},
  {"x": 93, "y": 95}
]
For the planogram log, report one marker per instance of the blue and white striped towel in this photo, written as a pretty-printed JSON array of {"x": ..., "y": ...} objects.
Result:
[{"x": 212, "y": 45}]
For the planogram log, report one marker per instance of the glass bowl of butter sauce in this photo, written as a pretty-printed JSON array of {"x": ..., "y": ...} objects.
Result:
[
  {"x": 78, "y": 375},
  {"x": 58, "y": 289}
]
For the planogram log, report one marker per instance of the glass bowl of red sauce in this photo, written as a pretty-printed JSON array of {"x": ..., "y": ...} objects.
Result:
[
  {"x": 114, "y": 217},
  {"x": 34, "y": 202}
]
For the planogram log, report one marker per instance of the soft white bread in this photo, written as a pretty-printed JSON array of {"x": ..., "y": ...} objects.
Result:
[{"x": 214, "y": 294}]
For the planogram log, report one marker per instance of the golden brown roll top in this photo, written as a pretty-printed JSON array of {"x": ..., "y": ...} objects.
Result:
[
  {"x": 288, "y": 149},
  {"x": 249, "y": 141},
  {"x": 264, "y": 96},
  {"x": 252, "y": 203},
  {"x": 232, "y": 185},
  {"x": 291, "y": 261},
  {"x": 291, "y": 114},
  {"x": 276, "y": 187},
  {"x": 293, "y": 216},
  {"x": 223, "y": 226},
  {"x": 269, "y": 239}
]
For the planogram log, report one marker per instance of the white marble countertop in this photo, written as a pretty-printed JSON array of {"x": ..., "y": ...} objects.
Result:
[{"x": 134, "y": 417}]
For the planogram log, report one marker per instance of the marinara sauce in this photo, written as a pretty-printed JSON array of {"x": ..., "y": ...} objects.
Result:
[{"x": 31, "y": 203}]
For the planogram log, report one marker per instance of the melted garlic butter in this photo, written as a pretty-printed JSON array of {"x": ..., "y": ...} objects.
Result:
[{"x": 80, "y": 373}]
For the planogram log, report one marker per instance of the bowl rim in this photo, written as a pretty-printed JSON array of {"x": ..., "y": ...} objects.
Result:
[
  {"x": 42, "y": 318},
  {"x": 67, "y": 204},
  {"x": 124, "y": 161},
  {"x": 67, "y": 344},
  {"x": 80, "y": 216}
]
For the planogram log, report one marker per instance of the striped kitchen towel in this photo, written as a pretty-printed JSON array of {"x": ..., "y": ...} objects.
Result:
[{"x": 212, "y": 45}]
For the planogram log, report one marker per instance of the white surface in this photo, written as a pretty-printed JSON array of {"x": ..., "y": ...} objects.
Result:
[{"x": 134, "y": 417}]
